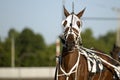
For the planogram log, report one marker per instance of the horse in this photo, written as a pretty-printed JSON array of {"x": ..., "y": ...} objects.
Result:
[
  {"x": 77, "y": 62},
  {"x": 115, "y": 53}
]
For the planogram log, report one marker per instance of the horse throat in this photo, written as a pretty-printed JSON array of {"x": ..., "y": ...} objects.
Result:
[{"x": 69, "y": 59}]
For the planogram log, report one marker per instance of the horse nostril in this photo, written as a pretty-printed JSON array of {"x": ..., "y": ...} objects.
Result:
[
  {"x": 70, "y": 37},
  {"x": 71, "y": 24}
]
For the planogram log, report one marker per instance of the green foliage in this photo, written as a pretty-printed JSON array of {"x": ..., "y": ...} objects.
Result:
[
  {"x": 31, "y": 49},
  {"x": 88, "y": 39},
  {"x": 103, "y": 43},
  {"x": 29, "y": 46},
  {"x": 107, "y": 41},
  {"x": 13, "y": 33}
]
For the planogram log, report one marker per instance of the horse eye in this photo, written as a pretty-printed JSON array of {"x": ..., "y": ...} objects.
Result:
[
  {"x": 64, "y": 24},
  {"x": 78, "y": 23}
]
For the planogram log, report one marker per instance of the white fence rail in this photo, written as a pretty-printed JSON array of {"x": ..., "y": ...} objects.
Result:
[{"x": 27, "y": 73}]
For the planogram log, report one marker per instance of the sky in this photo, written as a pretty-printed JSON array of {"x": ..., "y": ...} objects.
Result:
[{"x": 45, "y": 16}]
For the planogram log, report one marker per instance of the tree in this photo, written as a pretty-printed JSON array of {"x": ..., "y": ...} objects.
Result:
[
  {"x": 88, "y": 39},
  {"x": 31, "y": 49},
  {"x": 103, "y": 43},
  {"x": 2, "y": 56},
  {"x": 13, "y": 33},
  {"x": 108, "y": 41},
  {"x": 29, "y": 46},
  {"x": 6, "y": 50}
]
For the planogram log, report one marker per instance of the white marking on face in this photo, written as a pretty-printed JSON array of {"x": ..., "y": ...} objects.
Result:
[{"x": 76, "y": 23}]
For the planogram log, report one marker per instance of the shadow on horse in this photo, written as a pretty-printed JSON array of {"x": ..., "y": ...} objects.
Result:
[{"x": 77, "y": 62}]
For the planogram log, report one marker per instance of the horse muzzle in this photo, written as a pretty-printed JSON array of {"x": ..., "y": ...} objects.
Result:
[{"x": 70, "y": 40}]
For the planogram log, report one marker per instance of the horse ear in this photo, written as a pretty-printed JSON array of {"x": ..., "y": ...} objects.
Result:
[
  {"x": 66, "y": 12},
  {"x": 81, "y": 13}
]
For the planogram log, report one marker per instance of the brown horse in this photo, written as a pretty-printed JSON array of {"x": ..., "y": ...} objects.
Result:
[
  {"x": 77, "y": 62},
  {"x": 115, "y": 53}
]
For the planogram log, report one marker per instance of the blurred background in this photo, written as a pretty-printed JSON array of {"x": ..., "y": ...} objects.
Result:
[{"x": 29, "y": 29}]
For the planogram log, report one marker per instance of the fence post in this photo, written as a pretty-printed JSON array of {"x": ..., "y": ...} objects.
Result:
[{"x": 57, "y": 50}]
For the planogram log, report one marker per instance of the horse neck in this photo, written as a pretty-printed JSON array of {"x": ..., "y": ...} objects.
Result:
[{"x": 69, "y": 59}]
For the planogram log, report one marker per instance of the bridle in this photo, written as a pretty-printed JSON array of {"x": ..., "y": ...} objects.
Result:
[
  {"x": 71, "y": 35},
  {"x": 72, "y": 29}
]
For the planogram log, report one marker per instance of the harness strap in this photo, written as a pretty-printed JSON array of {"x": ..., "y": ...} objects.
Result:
[
  {"x": 88, "y": 50},
  {"x": 93, "y": 61},
  {"x": 84, "y": 51},
  {"x": 116, "y": 68},
  {"x": 73, "y": 69}
]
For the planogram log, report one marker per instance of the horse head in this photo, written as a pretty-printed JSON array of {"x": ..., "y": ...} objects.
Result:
[
  {"x": 115, "y": 53},
  {"x": 72, "y": 27}
]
